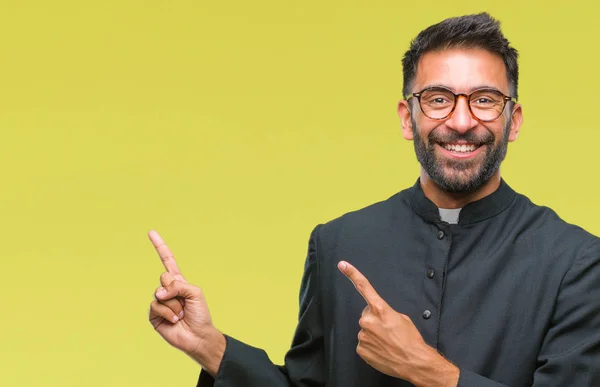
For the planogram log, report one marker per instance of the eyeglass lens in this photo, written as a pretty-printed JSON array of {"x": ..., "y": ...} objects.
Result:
[{"x": 486, "y": 105}]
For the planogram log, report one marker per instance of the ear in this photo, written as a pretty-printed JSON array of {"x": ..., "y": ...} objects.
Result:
[
  {"x": 516, "y": 119},
  {"x": 404, "y": 114}
]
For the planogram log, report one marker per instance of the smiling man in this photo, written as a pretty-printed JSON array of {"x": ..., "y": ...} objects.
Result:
[
  {"x": 458, "y": 280},
  {"x": 460, "y": 142}
]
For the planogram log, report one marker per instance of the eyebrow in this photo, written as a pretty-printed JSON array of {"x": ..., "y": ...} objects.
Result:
[{"x": 472, "y": 89}]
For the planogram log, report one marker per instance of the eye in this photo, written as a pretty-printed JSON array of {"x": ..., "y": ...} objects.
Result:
[
  {"x": 439, "y": 100},
  {"x": 486, "y": 98}
]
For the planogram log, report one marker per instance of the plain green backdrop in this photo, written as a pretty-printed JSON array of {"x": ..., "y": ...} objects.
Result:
[{"x": 233, "y": 128}]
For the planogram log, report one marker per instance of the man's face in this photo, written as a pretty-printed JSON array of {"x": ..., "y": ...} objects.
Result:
[{"x": 439, "y": 144}]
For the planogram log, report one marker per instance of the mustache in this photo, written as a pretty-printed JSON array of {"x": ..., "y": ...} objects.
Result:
[{"x": 437, "y": 136}]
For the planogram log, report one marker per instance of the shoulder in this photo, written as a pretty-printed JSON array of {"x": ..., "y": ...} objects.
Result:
[
  {"x": 375, "y": 219},
  {"x": 542, "y": 226}
]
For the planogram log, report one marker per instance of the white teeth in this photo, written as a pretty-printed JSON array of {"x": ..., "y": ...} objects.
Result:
[{"x": 460, "y": 148}]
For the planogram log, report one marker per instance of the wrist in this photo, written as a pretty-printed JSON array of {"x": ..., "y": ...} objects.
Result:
[
  {"x": 209, "y": 351},
  {"x": 432, "y": 369}
]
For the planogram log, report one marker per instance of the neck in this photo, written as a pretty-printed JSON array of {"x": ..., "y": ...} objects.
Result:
[{"x": 444, "y": 199}]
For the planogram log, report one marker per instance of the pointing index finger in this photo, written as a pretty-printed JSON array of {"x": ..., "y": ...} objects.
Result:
[
  {"x": 165, "y": 254},
  {"x": 362, "y": 284}
]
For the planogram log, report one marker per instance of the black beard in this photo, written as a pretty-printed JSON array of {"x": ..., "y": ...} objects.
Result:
[{"x": 467, "y": 176}]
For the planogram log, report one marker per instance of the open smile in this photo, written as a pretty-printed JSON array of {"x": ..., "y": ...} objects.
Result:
[{"x": 460, "y": 150}]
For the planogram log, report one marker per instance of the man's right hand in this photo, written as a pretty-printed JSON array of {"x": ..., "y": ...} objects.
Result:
[{"x": 180, "y": 314}]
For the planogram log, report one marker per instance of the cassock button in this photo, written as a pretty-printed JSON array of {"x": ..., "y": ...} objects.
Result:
[
  {"x": 440, "y": 234},
  {"x": 426, "y": 314},
  {"x": 430, "y": 273}
]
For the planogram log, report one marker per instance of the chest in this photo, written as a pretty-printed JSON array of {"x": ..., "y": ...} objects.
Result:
[{"x": 483, "y": 297}]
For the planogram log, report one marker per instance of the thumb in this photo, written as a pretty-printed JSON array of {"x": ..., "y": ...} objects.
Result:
[{"x": 180, "y": 289}]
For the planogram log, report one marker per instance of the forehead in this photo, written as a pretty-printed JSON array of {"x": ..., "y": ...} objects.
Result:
[{"x": 461, "y": 70}]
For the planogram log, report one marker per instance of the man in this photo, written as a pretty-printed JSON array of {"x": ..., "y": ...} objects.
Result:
[{"x": 462, "y": 280}]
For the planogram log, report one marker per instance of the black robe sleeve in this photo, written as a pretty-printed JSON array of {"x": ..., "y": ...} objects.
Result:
[{"x": 246, "y": 366}]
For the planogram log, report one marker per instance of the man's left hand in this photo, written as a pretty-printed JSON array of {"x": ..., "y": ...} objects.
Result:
[{"x": 391, "y": 343}]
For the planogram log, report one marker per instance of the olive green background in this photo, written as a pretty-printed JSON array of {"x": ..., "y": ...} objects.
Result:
[{"x": 233, "y": 128}]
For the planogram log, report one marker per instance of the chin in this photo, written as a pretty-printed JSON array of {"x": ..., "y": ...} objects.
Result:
[{"x": 460, "y": 181}]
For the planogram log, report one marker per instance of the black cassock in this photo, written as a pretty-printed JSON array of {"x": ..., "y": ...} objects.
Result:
[{"x": 510, "y": 295}]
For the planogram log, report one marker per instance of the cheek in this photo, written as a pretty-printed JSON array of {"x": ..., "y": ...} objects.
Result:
[
  {"x": 423, "y": 129},
  {"x": 498, "y": 129}
]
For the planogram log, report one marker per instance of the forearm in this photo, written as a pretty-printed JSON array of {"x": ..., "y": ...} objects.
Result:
[
  {"x": 432, "y": 369},
  {"x": 209, "y": 352},
  {"x": 244, "y": 365}
]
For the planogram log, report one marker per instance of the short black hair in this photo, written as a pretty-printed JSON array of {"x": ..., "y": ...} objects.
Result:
[{"x": 469, "y": 31}]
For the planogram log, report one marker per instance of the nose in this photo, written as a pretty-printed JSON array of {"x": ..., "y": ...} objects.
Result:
[{"x": 461, "y": 119}]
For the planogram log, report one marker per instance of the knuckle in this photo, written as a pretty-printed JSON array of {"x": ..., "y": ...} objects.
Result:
[
  {"x": 175, "y": 305},
  {"x": 361, "y": 286},
  {"x": 167, "y": 255},
  {"x": 360, "y": 350},
  {"x": 165, "y": 278},
  {"x": 364, "y": 322},
  {"x": 361, "y": 336},
  {"x": 172, "y": 285},
  {"x": 378, "y": 307},
  {"x": 156, "y": 311}
]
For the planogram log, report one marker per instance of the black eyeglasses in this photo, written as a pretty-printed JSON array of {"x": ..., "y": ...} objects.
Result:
[{"x": 438, "y": 103}]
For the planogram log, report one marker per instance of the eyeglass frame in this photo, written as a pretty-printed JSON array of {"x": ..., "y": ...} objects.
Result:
[{"x": 505, "y": 100}]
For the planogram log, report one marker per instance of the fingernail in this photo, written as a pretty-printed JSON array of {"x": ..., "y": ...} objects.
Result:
[
  {"x": 175, "y": 319},
  {"x": 181, "y": 314},
  {"x": 342, "y": 265},
  {"x": 161, "y": 292}
]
